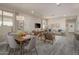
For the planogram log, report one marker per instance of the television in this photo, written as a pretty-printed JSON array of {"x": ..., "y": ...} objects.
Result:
[{"x": 37, "y": 25}]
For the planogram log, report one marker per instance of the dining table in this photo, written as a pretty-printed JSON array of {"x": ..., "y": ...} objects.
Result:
[{"x": 21, "y": 41}]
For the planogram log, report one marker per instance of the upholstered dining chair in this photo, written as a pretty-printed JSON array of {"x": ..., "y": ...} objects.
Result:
[
  {"x": 11, "y": 42},
  {"x": 49, "y": 36},
  {"x": 31, "y": 45}
]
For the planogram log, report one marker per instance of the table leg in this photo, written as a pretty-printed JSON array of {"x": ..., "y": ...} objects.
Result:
[{"x": 21, "y": 48}]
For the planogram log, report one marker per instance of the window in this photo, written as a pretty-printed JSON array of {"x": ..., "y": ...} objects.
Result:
[
  {"x": 7, "y": 14},
  {"x": 19, "y": 17},
  {"x": 7, "y": 21},
  {"x": 0, "y": 17},
  {"x": 20, "y": 22},
  {"x": 44, "y": 24},
  {"x": 7, "y": 18}
]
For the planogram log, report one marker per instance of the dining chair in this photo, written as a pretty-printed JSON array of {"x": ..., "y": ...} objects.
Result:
[
  {"x": 49, "y": 36},
  {"x": 31, "y": 45},
  {"x": 12, "y": 44}
]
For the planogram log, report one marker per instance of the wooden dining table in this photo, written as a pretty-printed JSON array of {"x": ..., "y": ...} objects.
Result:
[{"x": 22, "y": 40}]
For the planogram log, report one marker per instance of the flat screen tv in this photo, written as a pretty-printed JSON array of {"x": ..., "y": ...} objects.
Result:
[{"x": 37, "y": 25}]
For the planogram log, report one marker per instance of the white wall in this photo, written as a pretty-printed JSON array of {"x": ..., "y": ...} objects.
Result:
[
  {"x": 3, "y": 31},
  {"x": 77, "y": 24},
  {"x": 61, "y": 24},
  {"x": 29, "y": 23}
]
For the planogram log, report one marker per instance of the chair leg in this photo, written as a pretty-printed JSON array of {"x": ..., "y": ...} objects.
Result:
[
  {"x": 31, "y": 52},
  {"x": 7, "y": 47},
  {"x": 22, "y": 49},
  {"x": 9, "y": 51},
  {"x": 36, "y": 51},
  {"x": 14, "y": 50}
]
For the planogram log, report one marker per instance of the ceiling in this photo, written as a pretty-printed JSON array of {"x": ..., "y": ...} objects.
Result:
[{"x": 45, "y": 9}]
